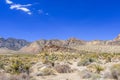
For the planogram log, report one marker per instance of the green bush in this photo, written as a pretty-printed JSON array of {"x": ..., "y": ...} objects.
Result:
[{"x": 1, "y": 65}]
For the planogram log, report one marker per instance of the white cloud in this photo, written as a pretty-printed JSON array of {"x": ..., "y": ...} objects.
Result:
[
  {"x": 9, "y": 2},
  {"x": 40, "y": 11},
  {"x": 23, "y": 8}
]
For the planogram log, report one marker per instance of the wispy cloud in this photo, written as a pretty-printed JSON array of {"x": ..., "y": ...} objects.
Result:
[
  {"x": 9, "y": 2},
  {"x": 40, "y": 11},
  {"x": 46, "y": 14},
  {"x": 23, "y": 8}
]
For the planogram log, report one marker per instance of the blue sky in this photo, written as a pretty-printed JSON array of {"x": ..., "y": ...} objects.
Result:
[{"x": 60, "y": 19}]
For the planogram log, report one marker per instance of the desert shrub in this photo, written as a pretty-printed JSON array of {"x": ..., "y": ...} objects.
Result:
[
  {"x": 46, "y": 72},
  {"x": 97, "y": 68},
  {"x": 85, "y": 74},
  {"x": 44, "y": 57},
  {"x": 1, "y": 65},
  {"x": 115, "y": 71},
  {"x": 52, "y": 58},
  {"x": 88, "y": 75},
  {"x": 86, "y": 61},
  {"x": 109, "y": 59},
  {"x": 107, "y": 74},
  {"x": 47, "y": 57},
  {"x": 17, "y": 67},
  {"x": 63, "y": 68}
]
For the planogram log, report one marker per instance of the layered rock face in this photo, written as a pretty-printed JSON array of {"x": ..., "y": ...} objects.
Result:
[{"x": 12, "y": 44}]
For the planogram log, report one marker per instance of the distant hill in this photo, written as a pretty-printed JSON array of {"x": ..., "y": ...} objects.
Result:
[{"x": 12, "y": 43}]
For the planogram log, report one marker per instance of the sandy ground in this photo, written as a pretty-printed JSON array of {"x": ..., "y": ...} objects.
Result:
[
  {"x": 67, "y": 76},
  {"x": 76, "y": 75}
]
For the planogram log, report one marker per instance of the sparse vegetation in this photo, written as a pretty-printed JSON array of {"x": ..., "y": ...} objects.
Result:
[
  {"x": 58, "y": 63},
  {"x": 21, "y": 76},
  {"x": 63, "y": 68},
  {"x": 96, "y": 68},
  {"x": 85, "y": 61},
  {"x": 115, "y": 71},
  {"x": 46, "y": 72}
]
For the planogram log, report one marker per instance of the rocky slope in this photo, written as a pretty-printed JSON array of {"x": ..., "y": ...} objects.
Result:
[
  {"x": 53, "y": 45},
  {"x": 73, "y": 44}
]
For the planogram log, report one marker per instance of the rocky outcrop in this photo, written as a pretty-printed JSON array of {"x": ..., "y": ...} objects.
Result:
[
  {"x": 53, "y": 45},
  {"x": 54, "y": 48},
  {"x": 70, "y": 45},
  {"x": 117, "y": 38},
  {"x": 12, "y": 44},
  {"x": 75, "y": 42}
]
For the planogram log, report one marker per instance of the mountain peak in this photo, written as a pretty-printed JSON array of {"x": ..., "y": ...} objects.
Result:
[{"x": 117, "y": 38}]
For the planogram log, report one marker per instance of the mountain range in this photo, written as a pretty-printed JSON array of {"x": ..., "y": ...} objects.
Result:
[{"x": 71, "y": 45}]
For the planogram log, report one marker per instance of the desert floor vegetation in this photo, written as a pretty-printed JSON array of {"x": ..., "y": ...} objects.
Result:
[{"x": 58, "y": 66}]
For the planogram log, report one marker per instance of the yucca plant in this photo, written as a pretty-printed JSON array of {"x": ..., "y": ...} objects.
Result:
[
  {"x": 97, "y": 68},
  {"x": 18, "y": 66}
]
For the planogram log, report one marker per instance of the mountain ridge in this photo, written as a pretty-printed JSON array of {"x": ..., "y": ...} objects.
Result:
[
  {"x": 72, "y": 43},
  {"x": 69, "y": 45},
  {"x": 12, "y": 43}
]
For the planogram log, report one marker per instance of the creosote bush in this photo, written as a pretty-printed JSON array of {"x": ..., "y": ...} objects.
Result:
[
  {"x": 1, "y": 65},
  {"x": 115, "y": 71},
  {"x": 85, "y": 61},
  {"x": 97, "y": 68},
  {"x": 63, "y": 69}
]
